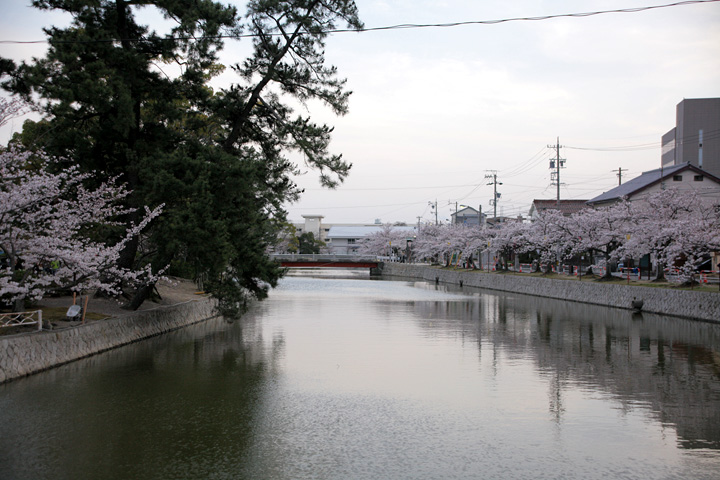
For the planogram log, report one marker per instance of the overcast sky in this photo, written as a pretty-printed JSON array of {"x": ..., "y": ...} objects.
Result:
[{"x": 435, "y": 110}]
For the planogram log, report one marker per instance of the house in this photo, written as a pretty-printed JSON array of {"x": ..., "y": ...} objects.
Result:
[
  {"x": 468, "y": 216},
  {"x": 684, "y": 176},
  {"x": 566, "y": 207}
]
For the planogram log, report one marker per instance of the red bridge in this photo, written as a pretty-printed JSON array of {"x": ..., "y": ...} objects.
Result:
[{"x": 326, "y": 260}]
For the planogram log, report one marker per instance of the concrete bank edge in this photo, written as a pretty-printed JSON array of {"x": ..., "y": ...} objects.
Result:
[
  {"x": 679, "y": 303},
  {"x": 23, "y": 355}
]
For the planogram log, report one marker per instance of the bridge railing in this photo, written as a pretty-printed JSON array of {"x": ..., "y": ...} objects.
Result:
[{"x": 323, "y": 257}]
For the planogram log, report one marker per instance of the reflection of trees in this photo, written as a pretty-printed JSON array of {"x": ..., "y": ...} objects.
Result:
[
  {"x": 176, "y": 402},
  {"x": 670, "y": 365}
]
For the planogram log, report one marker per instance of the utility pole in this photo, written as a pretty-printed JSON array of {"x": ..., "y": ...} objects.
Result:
[
  {"x": 493, "y": 176},
  {"x": 556, "y": 163},
  {"x": 619, "y": 174},
  {"x": 434, "y": 206}
]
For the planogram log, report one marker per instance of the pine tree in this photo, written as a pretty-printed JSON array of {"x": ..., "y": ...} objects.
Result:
[{"x": 218, "y": 160}]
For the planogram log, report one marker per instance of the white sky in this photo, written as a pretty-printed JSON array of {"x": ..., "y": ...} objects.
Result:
[{"x": 435, "y": 109}]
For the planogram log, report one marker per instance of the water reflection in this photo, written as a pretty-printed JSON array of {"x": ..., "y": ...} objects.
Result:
[
  {"x": 341, "y": 377},
  {"x": 669, "y": 365},
  {"x": 174, "y": 406}
]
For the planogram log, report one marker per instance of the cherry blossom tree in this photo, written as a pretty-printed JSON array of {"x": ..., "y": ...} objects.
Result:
[
  {"x": 510, "y": 238},
  {"x": 598, "y": 231},
  {"x": 383, "y": 241},
  {"x": 427, "y": 244},
  {"x": 677, "y": 227},
  {"x": 44, "y": 218},
  {"x": 546, "y": 237}
]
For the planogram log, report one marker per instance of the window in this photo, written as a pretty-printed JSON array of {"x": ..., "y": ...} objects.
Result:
[
  {"x": 698, "y": 178},
  {"x": 677, "y": 178},
  {"x": 351, "y": 241}
]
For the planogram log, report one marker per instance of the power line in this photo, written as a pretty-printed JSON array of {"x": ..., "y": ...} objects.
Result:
[
  {"x": 689, "y": 138},
  {"x": 404, "y": 26},
  {"x": 393, "y": 188},
  {"x": 538, "y": 18},
  {"x": 523, "y": 167},
  {"x": 627, "y": 148}
]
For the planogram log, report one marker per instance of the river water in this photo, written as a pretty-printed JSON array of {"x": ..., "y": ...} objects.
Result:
[{"x": 351, "y": 378}]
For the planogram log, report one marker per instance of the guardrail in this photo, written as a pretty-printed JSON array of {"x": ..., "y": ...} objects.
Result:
[
  {"x": 17, "y": 319},
  {"x": 702, "y": 277}
]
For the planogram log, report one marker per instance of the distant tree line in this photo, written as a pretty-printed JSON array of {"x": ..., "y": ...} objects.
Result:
[{"x": 676, "y": 228}]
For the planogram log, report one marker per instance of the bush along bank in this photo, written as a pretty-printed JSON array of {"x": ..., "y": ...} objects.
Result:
[{"x": 665, "y": 301}]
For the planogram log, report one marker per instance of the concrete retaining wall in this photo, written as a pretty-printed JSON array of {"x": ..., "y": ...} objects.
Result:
[
  {"x": 665, "y": 301},
  {"x": 33, "y": 352}
]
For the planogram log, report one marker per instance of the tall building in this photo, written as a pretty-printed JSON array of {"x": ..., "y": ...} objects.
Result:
[{"x": 696, "y": 136}]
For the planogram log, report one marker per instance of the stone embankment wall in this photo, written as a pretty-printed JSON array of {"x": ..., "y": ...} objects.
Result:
[
  {"x": 29, "y": 353},
  {"x": 665, "y": 301}
]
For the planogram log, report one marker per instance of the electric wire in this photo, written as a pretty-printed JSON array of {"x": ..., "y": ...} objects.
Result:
[
  {"x": 404, "y": 26},
  {"x": 690, "y": 138},
  {"x": 529, "y": 164}
]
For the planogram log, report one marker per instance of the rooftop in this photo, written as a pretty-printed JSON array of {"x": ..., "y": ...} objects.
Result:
[
  {"x": 645, "y": 180},
  {"x": 566, "y": 207},
  {"x": 361, "y": 231}
]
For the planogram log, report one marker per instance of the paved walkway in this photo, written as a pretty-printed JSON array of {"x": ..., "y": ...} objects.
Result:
[{"x": 172, "y": 291}]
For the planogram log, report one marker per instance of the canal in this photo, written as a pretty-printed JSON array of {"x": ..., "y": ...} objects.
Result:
[{"x": 344, "y": 377}]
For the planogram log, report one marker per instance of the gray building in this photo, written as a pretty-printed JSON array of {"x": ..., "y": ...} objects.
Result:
[
  {"x": 468, "y": 216},
  {"x": 696, "y": 136}
]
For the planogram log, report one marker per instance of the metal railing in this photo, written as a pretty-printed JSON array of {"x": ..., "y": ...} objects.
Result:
[{"x": 17, "y": 319}]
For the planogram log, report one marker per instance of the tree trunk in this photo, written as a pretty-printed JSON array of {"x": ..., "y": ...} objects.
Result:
[
  {"x": 660, "y": 272},
  {"x": 608, "y": 274},
  {"x": 19, "y": 305},
  {"x": 142, "y": 294}
]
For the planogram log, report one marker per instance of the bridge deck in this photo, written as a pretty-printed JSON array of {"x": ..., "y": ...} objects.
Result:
[
  {"x": 329, "y": 264},
  {"x": 327, "y": 260}
]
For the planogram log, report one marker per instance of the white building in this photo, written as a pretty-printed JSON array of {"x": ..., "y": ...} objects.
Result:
[
  {"x": 340, "y": 238},
  {"x": 346, "y": 240}
]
